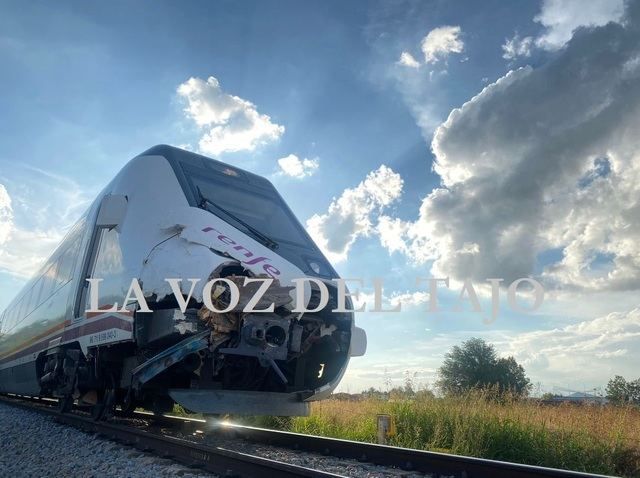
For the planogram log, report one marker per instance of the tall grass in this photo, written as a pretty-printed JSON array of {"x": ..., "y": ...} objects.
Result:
[{"x": 585, "y": 438}]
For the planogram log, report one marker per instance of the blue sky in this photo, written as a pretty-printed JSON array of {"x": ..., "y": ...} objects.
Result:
[{"x": 436, "y": 138}]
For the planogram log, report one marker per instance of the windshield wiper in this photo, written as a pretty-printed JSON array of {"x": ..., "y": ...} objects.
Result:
[{"x": 263, "y": 238}]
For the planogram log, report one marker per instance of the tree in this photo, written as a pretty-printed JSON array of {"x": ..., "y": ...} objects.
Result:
[
  {"x": 619, "y": 391},
  {"x": 475, "y": 365},
  {"x": 549, "y": 396},
  {"x": 510, "y": 375}
]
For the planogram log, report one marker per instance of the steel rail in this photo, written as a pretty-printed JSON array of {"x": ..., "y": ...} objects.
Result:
[
  {"x": 435, "y": 463},
  {"x": 438, "y": 464},
  {"x": 406, "y": 458},
  {"x": 218, "y": 460}
]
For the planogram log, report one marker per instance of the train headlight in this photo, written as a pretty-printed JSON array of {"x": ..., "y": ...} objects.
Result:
[{"x": 275, "y": 336}]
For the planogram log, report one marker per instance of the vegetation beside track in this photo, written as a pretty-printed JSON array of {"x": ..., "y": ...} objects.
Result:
[{"x": 595, "y": 439}]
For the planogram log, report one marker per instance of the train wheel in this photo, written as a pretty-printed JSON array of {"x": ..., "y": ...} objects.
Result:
[
  {"x": 161, "y": 404},
  {"x": 128, "y": 404},
  {"x": 97, "y": 410},
  {"x": 65, "y": 404},
  {"x": 105, "y": 407}
]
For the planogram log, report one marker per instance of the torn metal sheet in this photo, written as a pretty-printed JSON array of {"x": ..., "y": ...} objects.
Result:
[
  {"x": 276, "y": 294},
  {"x": 204, "y": 245},
  {"x": 165, "y": 359}
]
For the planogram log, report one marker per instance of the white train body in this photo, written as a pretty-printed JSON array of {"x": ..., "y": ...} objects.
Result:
[{"x": 158, "y": 219}]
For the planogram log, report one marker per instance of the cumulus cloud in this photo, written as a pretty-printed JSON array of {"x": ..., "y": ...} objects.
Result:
[
  {"x": 33, "y": 224},
  {"x": 229, "y": 123},
  {"x": 407, "y": 59},
  {"x": 566, "y": 352},
  {"x": 588, "y": 352},
  {"x": 516, "y": 47},
  {"x": 441, "y": 42},
  {"x": 352, "y": 215},
  {"x": 543, "y": 161},
  {"x": 6, "y": 215},
  {"x": 561, "y": 17},
  {"x": 406, "y": 300},
  {"x": 298, "y": 168},
  {"x": 27, "y": 250}
]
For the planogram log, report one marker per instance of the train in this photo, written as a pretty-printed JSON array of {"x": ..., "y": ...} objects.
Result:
[{"x": 171, "y": 221}]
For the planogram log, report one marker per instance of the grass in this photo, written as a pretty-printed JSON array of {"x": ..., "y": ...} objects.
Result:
[{"x": 584, "y": 438}]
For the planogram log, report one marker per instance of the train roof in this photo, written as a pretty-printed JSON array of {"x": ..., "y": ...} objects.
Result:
[
  {"x": 181, "y": 161},
  {"x": 180, "y": 157}
]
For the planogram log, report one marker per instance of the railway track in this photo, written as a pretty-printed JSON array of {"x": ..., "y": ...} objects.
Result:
[
  {"x": 230, "y": 463},
  {"x": 223, "y": 462}
]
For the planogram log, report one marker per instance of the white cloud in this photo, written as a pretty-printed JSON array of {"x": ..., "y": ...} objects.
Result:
[
  {"x": 407, "y": 300},
  {"x": 391, "y": 232},
  {"x": 574, "y": 356},
  {"x": 592, "y": 350},
  {"x": 32, "y": 224},
  {"x": 6, "y": 215},
  {"x": 229, "y": 123},
  {"x": 561, "y": 17},
  {"x": 421, "y": 92},
  {"x": 298, "y": 168},
  {"x": 516, "y": 46},
  {"x": 352, "y": 214},
  {"x": 612, "y": 354},
  {"x": 407, "y": 59},
  {"x": 441, "y": 42},
  {"x": 27, "y": 250},
  {"x": 541, "y": 160}
]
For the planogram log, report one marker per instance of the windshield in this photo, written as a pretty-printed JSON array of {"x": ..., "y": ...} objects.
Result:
[
  {"x": 205, "y": 202},
  {"x": 260, "y": 211}
]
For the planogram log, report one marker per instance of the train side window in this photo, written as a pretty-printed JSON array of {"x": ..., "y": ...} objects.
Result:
[
  {"x": 67, "y": 259},
  {"x": 49, "y": 282},
  {"x": 24, "y": 307},
  {"x": 8, "y": 317},
  {"x": 8, "y": 320},
  {"x": 20, "y": 311},
  {"x": 14, "y": 314},
  {"x": 74, "y": 251},
  {"x": 28, "y": 302},
  {"x": 37, "y": 292},
  {"x": 65, "y": 262},
  {"x": 107, "y": 265},
  {"x": 109, "y": 257}
]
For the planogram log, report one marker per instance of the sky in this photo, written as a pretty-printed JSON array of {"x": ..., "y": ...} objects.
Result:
[{"x": 413, "y": 139}]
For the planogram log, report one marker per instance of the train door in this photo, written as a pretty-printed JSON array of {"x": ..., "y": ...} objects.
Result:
[{"x": 103, "y": 257}]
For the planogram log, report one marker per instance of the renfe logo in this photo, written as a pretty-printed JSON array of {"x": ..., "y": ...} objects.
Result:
[{"x": 271, "y": 270}]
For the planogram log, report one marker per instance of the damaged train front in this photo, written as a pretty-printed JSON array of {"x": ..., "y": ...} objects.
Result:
[{"x": 239, "y": 341}]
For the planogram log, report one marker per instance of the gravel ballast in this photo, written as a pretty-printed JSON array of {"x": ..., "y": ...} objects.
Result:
[
  {"x": 340, "y": 466},
  {"x": 33, "y": 445}
]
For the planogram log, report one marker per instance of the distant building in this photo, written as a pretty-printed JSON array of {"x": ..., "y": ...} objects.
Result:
[{"x": 579, "y": 397}]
